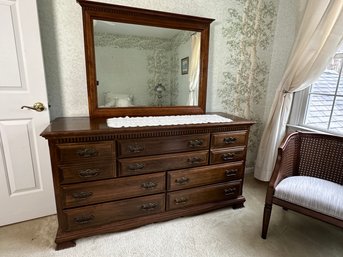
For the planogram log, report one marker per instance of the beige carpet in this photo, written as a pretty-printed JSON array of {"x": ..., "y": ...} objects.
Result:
[{"x": 225, "y": 232}]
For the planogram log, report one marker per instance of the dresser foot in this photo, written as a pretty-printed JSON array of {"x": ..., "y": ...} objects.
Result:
[
  {"x": 64, "y": 245},
  {"x": 238, "y": 206}
]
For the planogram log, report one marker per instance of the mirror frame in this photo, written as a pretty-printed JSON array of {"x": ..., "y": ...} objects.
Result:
[{"x": 108, "y": 12}]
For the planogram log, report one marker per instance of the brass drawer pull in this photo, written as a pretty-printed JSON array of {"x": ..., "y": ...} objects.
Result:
[
  {"x": 230, "y": 191},
  {"x": 194, "y": 160},
  {"x": 82, "y": 195},
  {"x": 149, "y": 206},
  {"x": 149, "y": 185},
  {"x": 195, "y": 143},
  {"x": 88, "y": 173},
  {"x": 182, "y": 180},
  {"x": 84, "y": 219},
  {"x": 136, "y": 166},
  {"x": 228, "y": 156},
  {"x": 231, "y": 173},
  {"x": 87, "y": 152},
  {"x": 230, "y": 140},
  {"x": 181, "y": 200},
  {"x": 135, "y": 148}
]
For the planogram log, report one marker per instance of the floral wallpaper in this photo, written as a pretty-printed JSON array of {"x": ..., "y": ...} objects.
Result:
[
  {"x": 248, "y": 34},
  {"x": 246, "y": 60}
]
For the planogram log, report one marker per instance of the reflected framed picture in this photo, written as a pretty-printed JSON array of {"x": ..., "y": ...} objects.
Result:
[{"x": 184, "y": 65}]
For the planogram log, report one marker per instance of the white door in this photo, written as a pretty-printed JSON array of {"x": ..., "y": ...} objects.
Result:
[{"x": 26, "y": 189}]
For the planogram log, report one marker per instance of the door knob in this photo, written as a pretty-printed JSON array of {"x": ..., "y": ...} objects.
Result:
[{"x": 37, "y": 107}]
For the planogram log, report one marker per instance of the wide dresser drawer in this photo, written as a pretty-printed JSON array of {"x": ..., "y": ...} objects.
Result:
[
  {"x": 202, "y": 195},
  {"x": 162, "y": 145},
  {"x": 187, "y": 178},
  {"x": 100, "y": 214},
  {"x": 140, "y": 165},
  {"x": 87, "y": 172},
  {"x": 88, "y": 151},
  {"x": 112, "y": 189}
]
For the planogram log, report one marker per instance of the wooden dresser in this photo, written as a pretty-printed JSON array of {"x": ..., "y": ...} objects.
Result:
[{"x": 114, "y": 179}]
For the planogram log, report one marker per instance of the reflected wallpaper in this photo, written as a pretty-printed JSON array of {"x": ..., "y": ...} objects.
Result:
[{"x": 156, "y": 59}]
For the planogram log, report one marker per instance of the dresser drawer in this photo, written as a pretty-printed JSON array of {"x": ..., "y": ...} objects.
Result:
[
  {"x": 181, "y": 179},
  {"x": 81, "y": 152},
  {"x": 229, "y": 139},
  {"x": 227, "y": 155},
  {"x": 100, "y": 214},
  {"x": 162, "y": 145},
  {"x": 202, "y": 195},
  {"x": 86, "y": 172},
  {"x": 112, "y": 189},
  {"x": 140, "y": 165}
]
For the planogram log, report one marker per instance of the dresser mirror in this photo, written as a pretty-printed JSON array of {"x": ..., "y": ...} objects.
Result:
[{"x": 142, "y": 62}]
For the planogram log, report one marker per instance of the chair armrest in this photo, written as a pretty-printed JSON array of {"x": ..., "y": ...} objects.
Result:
[{"x": 287, "y": 162}]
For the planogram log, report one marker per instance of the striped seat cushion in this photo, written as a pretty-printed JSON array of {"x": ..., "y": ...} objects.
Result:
[{"x": 313, "y": 193}]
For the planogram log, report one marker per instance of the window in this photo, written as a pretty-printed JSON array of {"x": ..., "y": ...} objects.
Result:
[{"x": 320, "y": 107}]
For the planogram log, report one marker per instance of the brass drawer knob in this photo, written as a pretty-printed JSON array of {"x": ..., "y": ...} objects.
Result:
[
  {"x": 149, "y": 185},
  {"x": 195, "y": 143},
  {"x": 87, "y": 152},
  {"x": 149, "y": 206},
  {"x": 228, "y": 156},
  {"x": 230, "y": 191},
  {"x": 181, "y": 200},
  {"x": 231, "y": 173},
  {"x": 182, "y": 180},
  {"x": 230, "y": 140},
  {"x": 194, "y": 160},
  {"x": 135, "y": 148},
  {"x": 89, "y": 173},
  {"x": 82, "y": 195},
  {"x": 84, "y": 219},
  {"x": 136, "y": 166}
]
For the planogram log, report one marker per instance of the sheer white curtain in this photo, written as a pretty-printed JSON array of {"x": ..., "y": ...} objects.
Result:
[
  {"x": 194, "y": 70},
  {"x": 319, "y": 35}
]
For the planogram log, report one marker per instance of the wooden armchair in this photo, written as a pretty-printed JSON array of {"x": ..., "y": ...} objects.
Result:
[{"x": 308, "y": 178}]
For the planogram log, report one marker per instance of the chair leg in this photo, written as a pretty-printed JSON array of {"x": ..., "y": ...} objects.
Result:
[{"x": 266, "y": 218}]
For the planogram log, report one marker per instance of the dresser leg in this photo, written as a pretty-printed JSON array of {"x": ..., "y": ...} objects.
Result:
[
  {"x": 64, "y": 245},
  {"x": 238, "y": 206}
]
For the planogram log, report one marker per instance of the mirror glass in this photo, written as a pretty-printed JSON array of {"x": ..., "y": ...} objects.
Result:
[{"x": 145, "y": 66}]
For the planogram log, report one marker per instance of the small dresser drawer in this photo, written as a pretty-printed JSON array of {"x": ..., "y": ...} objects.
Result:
[
  {"x": 88, "y": 151},
  {"x": 182, "y": 179},
  {"x": 100, "y": 214},
  {"x": 162, "y": 145},
  {"x": 227, "y": 155},
  {"x": 140, "y": 165},
  {"x": 112, "y": 189},
  {"x": 203, "y": 195},
  {"x": 86, "y": 172},
  {"x": 229, "y": 139}
]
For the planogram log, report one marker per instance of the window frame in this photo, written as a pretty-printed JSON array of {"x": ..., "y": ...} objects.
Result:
[{"x": 300, "y": 107}]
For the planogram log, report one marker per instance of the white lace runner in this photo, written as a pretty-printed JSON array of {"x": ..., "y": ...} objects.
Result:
[{"x": 126, "y": 122}]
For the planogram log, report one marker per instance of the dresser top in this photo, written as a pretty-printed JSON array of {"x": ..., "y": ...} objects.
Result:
[{"x": 83, "y": 126}]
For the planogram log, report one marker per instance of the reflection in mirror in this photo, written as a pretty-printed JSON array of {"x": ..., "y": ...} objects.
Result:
[{"x": 140, "y": 65}]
